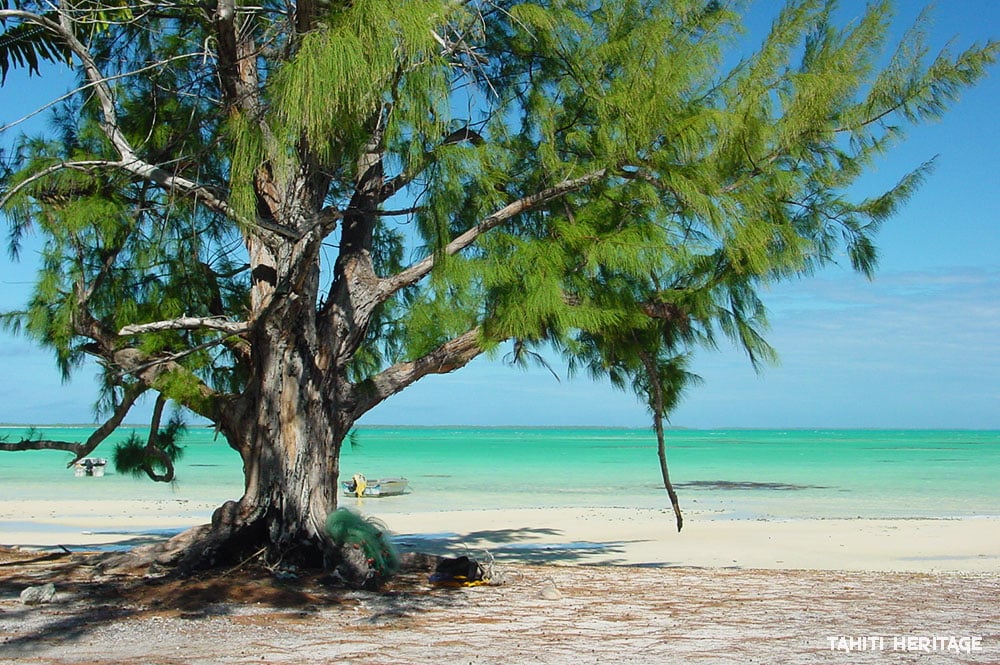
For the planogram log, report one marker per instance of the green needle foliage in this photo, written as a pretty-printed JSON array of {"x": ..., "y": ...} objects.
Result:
[{"x": 154, "y": 457}]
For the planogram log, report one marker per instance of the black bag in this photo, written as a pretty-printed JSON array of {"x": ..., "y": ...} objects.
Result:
[{"x": 460, "y": 571}]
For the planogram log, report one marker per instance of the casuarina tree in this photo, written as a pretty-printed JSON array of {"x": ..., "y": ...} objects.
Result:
[{"x": 277, "y": 215}]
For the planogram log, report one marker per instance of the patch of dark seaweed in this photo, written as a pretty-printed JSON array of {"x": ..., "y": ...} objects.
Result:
[{"x": 747, "y": 485}]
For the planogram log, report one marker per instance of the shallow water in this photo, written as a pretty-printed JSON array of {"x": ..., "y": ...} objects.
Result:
[{"x": 730, "y": 474}]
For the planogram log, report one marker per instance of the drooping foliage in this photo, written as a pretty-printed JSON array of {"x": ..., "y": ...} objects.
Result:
[
  {"x": 154, "y": 457},
  {"x": 130, "y": 250}
]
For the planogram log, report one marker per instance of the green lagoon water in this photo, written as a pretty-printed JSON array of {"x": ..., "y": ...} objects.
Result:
[
  {"x": 730, "y": 474},
  {"x": 724, "y": 474}
]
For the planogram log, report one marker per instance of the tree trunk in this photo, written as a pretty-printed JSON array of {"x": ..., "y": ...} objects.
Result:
[
  {"x": 288, "y": 427},
  {"x": 657, "y": 404},
  {"x": 293, "y": 439},
  {"x": 291, "y": 466},
  {"x": 661, "y": 451}
]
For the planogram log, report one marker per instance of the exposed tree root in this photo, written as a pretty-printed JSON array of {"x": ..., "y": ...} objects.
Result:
[{"x": 232, "y": 541}]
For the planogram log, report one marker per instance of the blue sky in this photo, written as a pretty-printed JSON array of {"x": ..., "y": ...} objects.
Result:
[{"x": 918, "y": 347}]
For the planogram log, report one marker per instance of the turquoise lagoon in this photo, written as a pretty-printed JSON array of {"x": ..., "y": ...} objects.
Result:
[{"x": 719, "y": 474}]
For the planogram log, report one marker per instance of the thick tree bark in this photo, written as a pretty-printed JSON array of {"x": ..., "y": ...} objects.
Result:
[
  {"x": 291, "y": 464},
  {"x": 289, "y": 440},
  {"x": 290, "y": 428},
  {"x": 291, "y": 471}
]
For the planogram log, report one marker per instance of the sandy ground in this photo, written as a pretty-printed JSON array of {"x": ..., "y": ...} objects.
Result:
[
  {"x": 618, "y": 536},
  {"x": 621, "y": 536},
  {"x": 543, "y": 613},
  {"x": 581, "y": 586}
]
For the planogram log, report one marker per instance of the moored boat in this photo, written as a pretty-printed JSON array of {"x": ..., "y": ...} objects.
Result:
[
  {"x": 90, "y": 466},
  {"x": 360, "y": 486}
]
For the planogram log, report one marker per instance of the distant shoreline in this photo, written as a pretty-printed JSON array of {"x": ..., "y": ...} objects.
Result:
[{"x": 677, "y": 428}]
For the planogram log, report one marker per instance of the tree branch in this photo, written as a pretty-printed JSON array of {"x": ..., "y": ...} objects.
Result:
[
  {"x": 220, "y": 323},
  {"x": 130, "y": 161},
  {"x": 668, "y": 312},
  {"x": 399, "y": 213},
  {"x": 41, "y": 109},
  {"x": 153, "y": 450},
  {"x": 205, "y": 402},
  {"x": 659, "y": 407},
  {"x": 49, "y": 170},
  {"x": 171, "y": 359},
  {"x": 452, "y": 355},
  {"x": 393, "y": 185},
  {"x": 81, "y": 450},
  {"x": 418, "y": 270},
  {"x": 41, "y": 444}
]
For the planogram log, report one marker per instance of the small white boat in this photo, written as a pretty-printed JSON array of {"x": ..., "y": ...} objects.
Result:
[
  {"x": 90, "y": 466},
  {"x": 360, "y": 486}
]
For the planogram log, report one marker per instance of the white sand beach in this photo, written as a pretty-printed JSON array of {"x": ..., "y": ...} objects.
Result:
[
  {"x": 609, "y": 536},
  {"x": 580, "y": 586}
]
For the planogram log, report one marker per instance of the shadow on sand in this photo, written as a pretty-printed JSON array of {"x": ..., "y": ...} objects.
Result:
[
  {"x": 524, "y": 545},
  {"x": 87, "y": 603}
]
